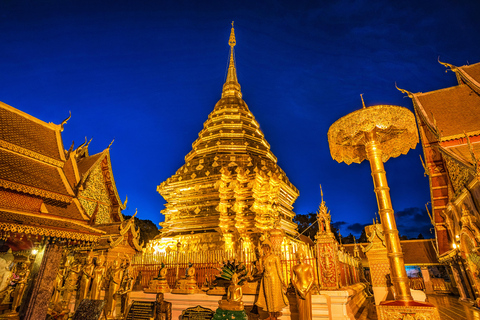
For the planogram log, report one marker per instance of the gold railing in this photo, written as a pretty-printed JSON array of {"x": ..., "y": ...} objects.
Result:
[{"x": 207, "y": 265}]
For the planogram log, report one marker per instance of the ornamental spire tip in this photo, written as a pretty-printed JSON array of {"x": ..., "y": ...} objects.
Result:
[{"x": 231, "y": 86}]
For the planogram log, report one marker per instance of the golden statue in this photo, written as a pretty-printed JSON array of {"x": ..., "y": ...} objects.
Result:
[
  {"x": 73, "y": 270},
  {"x": 126, "y": 285},
  {"x": 302, "y": 280},
  {"x": 6, "y": 260},
  {"x": 115, "y": 279},
  {"x": 58, "y": 284},
  {"x": 86, "y": 277},
  {"x": 160, "y": 283},
  {"x": 271, "y": 297},
  {"x": 98, "y": 278},
  {"x": 188, "y": 284},
  {"x": 234, "y": 296},
  {"x": 22, "y": 273},
  {"x": 190, "y": 271}
]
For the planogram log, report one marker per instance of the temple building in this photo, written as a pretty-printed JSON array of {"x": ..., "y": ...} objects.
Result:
[
  {"x": 449, "y": 124},
  {"x": 230, "y": 190},
  {"x": 54, "y": 202}
]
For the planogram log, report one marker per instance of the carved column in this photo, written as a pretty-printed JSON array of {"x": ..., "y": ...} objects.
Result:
[
  {"x": 42, "y": 290},
  {"x": 458, "y": 280}
]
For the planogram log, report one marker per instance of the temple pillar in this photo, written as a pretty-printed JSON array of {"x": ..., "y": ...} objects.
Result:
[
  {"x": 427, "y": 280},
  {"x": 458, "y": 280},
  {"x": 42, "y": 289}
]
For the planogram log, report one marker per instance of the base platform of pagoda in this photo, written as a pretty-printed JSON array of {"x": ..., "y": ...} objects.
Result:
[{"x": 336, "y": 304}]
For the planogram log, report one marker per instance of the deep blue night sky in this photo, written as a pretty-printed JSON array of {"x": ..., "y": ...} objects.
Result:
[{"x": 148, "y": 73}]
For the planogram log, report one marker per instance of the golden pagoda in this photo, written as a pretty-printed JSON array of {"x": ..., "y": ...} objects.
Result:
[{"x": 230, "y": 190}]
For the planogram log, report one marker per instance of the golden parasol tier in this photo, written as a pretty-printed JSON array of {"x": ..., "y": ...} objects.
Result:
[{"x": 376, "y": 134}]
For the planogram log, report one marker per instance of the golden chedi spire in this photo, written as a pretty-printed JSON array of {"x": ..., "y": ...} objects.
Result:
[
  {"x": 230, "y": 187},
  {"x": 231, "y": 88}
]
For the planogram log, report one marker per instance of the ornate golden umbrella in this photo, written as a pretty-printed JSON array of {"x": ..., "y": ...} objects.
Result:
[{"x": 376, "y": 134}]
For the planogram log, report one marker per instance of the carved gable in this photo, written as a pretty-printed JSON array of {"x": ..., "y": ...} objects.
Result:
[{"x": 95, "y": 198}]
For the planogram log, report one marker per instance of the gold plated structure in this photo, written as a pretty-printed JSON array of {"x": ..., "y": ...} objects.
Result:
[
  {"x": 234, "y": 296},
  {"x": 376, "y": 134},
  {"x": 302, "y": 280},
  {"x": 230, "y": 189}
]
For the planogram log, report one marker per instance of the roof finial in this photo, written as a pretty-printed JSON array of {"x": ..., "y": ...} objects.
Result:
[
  {"x": 321, "y": 192},
  {"x": 363, "y": 102},
  {"x": 448, "y": 65},
  {"x": 409, "y": 94},
  {"x": 231, "y": 86},
  {"x": 64, "y": 122},
  {"x": 232, "y": 41}
]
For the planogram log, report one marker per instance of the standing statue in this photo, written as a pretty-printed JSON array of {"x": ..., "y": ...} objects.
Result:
[
  {"x": 22, "y": 273},
  {"x": 72, "y": 274},
  {"x": 271, "y": 297},
  {"x": 126, "y": 285},
  {"x": 98, "y": 278},
  {"x": 114, "y": 281},
  {"x": 302, "y": 280},
  {"x": 86, "y": 277},
  {"x": 58, "y": 284},
  {"x": 6, "y": 260},
  {"x": 162, "y": 309}
]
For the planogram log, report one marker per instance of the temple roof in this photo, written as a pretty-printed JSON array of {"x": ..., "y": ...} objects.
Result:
[
  {"x": 27, "y": 175},
  {"x": 85, "y": 164},
  {"x": 416, "y": 252},
  {"x": 29, "y": 133},
  {"x": 452, "y": 110},
  {"x": 40, "y": 183},
  {"x": 453, "y": 114},
  {"x": 47, "y": 226}
]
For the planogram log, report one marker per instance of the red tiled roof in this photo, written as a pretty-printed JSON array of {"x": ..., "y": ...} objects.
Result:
[
  {"x": 18, "y": 201},
  {"x": 110, "y": 228},
  {"x": 456, "y": 110},
  {"x": 69, "y": 211},
  {"x": 69, "y": 172},
  {"x": 472, "y": 70},
  {"x": 415, "y": 252},
  {"x": 28, "y": 172},
  {"x": 22, "y": 131},
  {"x": 419, "y": 252}
]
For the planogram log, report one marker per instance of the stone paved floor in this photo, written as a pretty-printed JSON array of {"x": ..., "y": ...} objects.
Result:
[{"x": 450, "y": 308}]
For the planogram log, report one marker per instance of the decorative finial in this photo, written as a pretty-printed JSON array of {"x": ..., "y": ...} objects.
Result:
[
  {"x": 363, "y": 102},
  {"x": 321, "y": 192},
  {"x": 232, "y": 41},
  {"x": 409, "y": 94},
  {"x": 111, "y": 143},
  {"x": 231, "y": 86},
  {"x": 447, "y": 65},
  {"x": 65, "y": 121}
]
